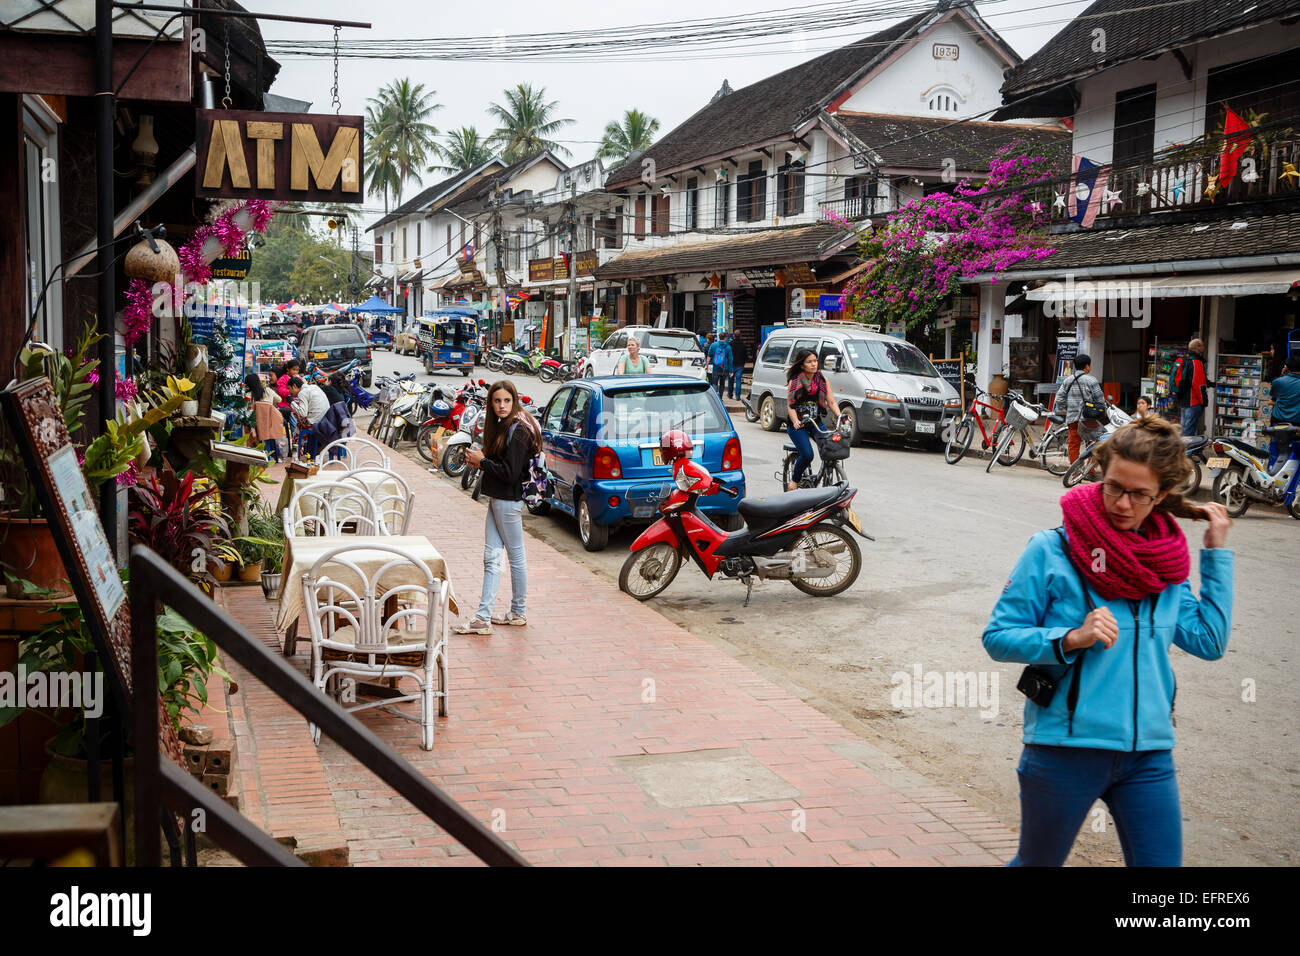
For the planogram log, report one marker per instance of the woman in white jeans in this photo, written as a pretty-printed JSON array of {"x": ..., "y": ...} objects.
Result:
[{"x": 510, "y": 440}]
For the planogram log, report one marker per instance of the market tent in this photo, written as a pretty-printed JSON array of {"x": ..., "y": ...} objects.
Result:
[{"x": 377, "y": 306}]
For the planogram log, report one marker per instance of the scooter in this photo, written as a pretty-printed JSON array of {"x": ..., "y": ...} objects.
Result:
[
  {"x": 444, "y": 415},
  {"x": 470, "y": 433},
  {"x": 550, "y": 369},
  {"x": 798, "y": 536},
  {"x": 1244, "y": 476}
]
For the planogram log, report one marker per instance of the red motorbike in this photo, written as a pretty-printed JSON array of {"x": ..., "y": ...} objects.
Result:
[
  {"x": 446, "y": 415},
  {"x": 796, "y": 536}
]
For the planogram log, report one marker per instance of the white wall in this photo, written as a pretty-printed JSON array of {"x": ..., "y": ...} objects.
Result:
[
  {"x": 905, "y": 85},
  {"x": 1180, "y": 103}
]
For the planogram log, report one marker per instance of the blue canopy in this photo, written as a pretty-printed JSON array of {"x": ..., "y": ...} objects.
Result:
[{"x": 377, "y": 306}]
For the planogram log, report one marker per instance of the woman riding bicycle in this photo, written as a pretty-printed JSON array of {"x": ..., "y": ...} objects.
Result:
[{"x": 808, "y": 396}]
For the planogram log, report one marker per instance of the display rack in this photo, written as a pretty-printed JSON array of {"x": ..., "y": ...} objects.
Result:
[
  {"x": 1237, "y": 393},
  {"x": 1162, "y": 371}
]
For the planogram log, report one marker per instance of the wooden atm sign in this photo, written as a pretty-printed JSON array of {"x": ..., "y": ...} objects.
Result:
[{"x": 287, "y": 156}]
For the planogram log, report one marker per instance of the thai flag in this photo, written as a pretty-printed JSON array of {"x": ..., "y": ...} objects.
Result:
[{"x": 1089, "y": 187}]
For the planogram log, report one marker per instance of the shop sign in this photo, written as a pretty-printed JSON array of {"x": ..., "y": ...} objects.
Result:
[
  {"x": 300, "y": 157},
  {"x": 830, "y": 303},
  {"x": 232, "y": 267},
  {"x": 758, "y": 278},
  {"x": 656, "y": 285},
  {"x": 541, "y": 270},
  {"x": 587, "y": 262},
  {"x": 800, "y": 273}
]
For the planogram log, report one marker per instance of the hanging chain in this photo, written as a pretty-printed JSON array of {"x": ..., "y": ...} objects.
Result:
[
  {"x": 226, "y": 100},
  {"x": 335, "y": 92}
]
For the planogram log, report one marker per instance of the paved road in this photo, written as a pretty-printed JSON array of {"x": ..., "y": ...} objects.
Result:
[{"x": 946, "y": 538}]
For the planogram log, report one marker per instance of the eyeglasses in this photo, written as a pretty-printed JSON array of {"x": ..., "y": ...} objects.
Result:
[{"x": 1140, "y": 498}]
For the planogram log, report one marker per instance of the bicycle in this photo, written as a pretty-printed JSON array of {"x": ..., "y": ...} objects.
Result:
[
  {"x": 831, "y": 472},
  {"x": 963, "y": 433},
  {"x": 1013, "y": 439}
]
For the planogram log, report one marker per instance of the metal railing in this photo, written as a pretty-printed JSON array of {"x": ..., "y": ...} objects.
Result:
[
  {"x": 159, "y": 783},
  {"x": 852, "y": 208}
]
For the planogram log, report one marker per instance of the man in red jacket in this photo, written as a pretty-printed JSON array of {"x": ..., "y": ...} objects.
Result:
[{"x": 1190, "y": 383}]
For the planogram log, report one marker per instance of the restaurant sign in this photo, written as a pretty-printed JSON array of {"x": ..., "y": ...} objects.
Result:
[
  {"x": 233, "y": 267},
  {"x": 303, "y": 157}
]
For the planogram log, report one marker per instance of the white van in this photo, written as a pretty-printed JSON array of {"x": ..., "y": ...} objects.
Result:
[{"x": 893, "y": 388}]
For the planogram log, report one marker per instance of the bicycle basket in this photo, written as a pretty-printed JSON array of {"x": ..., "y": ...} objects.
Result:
[
  {"x": 1019, "y": 415},
  {"x": 833, "y": 447}
]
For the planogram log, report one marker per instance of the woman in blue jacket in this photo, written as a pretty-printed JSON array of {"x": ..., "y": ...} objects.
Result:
[{"x": 1093, "y": 607}]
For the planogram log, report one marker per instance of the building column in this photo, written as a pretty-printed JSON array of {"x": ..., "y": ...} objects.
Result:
[
  {"x": 990, "y": 357},
  {"x": 1221, "y": 324}
]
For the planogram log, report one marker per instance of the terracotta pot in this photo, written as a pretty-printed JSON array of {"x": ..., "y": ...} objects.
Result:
[
  {"x": 67, "y": 779},
  {"x": 999, "y": 385},
  {"x": 223, "y": 571},
  {"x": 29, "y": 553},
  {"x": 250, "y": 572}
]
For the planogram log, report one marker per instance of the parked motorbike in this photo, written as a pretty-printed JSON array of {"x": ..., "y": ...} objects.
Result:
[
  {"x": 1085, "y": 467},
  {"x": 444, "y": 415},
  {"x": 1244, "y": 475},
  {"x": 514, "y": 362},
  {"x": 470, "y": 433},
  {"x": 493, "y": 359},
  {"x": 797, "y": 536}
]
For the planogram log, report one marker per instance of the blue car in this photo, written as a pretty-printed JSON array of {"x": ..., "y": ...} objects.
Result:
[{"x": 601, "y": 439}]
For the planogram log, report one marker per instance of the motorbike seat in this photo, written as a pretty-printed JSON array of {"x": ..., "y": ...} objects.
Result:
[
  {"x": 1281, "y": 433},
  {"x": 788, "y": 447},
  {"x": 1055, "y": 417},
  {"x": 1246, "y": 446},
  {"x": 1194, "y": 443},
  {"x": 788, "y": 504}
]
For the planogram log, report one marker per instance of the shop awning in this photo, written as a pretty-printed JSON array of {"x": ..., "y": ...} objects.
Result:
[{"x": 1258, "y": 282}]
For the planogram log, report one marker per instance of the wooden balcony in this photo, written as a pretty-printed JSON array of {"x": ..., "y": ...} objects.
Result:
[{"x": 855, "y": 207}]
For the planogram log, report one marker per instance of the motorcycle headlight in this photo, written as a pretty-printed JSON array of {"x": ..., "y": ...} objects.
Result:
[{"x": 686, "y": 481}]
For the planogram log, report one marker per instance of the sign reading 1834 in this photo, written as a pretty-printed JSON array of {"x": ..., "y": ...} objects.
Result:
[
  {"x": 288, "y": 156},
  {"x": 946, "y": 51}
]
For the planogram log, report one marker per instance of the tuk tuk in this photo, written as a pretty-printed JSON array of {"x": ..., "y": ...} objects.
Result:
[
  {"x": 381, "y": 332},
  {"x": 448, "y": 338}
]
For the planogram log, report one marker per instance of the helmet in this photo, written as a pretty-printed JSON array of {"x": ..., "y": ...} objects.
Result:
[
  {"x": 439, "y": 409},
  {"x": 675, "y": 444}
]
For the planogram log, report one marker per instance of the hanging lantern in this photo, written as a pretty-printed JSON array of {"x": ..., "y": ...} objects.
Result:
[{"x": 143, "y": 263}]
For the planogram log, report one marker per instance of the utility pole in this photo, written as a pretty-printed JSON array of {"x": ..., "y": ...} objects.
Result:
[
  {"x": 571, "y": 314},
  {"x": 496, "y": 242}
]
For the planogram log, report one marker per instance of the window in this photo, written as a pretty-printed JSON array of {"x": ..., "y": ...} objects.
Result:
[
  {"x": 660, "y": 222},
  {"x": 944, "y": 100},
  {"x": 630, "y": 413},
  {"x": 555, "y": 410},
  {"x": 43, "y": 233},
  {"x": 418, "y": 230},
  {"x": 478, "y": 238},
  {"x": 616, "y": 241},
  {"x": 692, "y": 203},
  {"x": 461, "y": 250},
  {"x": 379, "y": 249},
  {"x": 575, "y": 419},
  {"x": 616, "y": 341},
  {"x": 790, "y": 187},
  {"x": 829, "y": 349},
  {"x": 721, "y": 200},
  {"x": 776, "y": 352},
  {"x": 895, "y": 356},
  {"x": 448, "y": 238},
  {"x": 858, "y": 193},
  {"x": 1266, "y": 85},
  {"x": 1135, "y": 125},
  {"x": 640, "y": 217},
  {"x": 751, "y": 194},
  {"x": 336, "y": 336}
]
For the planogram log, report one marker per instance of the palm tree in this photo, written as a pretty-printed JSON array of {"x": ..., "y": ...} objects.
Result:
[
  {"x": 637, "y": 132},
  {"x": 402, "y": 131},
  {"x": 381, "y": 163},
  {"x": 526, "y": 123},
  {"x": 463, "y": 150}
]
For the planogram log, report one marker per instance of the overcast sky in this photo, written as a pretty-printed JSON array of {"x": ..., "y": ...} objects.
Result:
[{"x": 591, "y": 94}]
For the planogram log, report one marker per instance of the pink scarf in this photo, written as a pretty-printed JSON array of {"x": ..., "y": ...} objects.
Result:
[{"x": 1122, "y": 564}]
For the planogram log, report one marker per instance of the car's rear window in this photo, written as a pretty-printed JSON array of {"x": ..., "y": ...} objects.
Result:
[
  {"x": 644, "y": 414},
  {"x": 668, "y": 340},
  {"x": 328, "y": 338}
]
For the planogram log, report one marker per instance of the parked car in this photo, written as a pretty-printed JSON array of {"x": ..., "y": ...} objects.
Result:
[
  {"x": 333, "y": 346},
  {"x": 407, "y": 343},
  {"x": 891, "y": 385},
  {"x": 279, "y": 331},
  {"x": 668, "y": 351},
  {"x": 601, "y": 440}
]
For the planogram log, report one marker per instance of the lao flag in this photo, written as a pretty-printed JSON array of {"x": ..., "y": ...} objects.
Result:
[
  {"x": 1089, "y": 187},
  {"x": 1234, "y": 144}
]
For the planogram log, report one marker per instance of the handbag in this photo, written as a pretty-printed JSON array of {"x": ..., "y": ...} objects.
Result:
[{"x": 1092, "y": 411}]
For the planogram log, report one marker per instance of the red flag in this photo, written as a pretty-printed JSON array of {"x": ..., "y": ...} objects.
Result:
[{"x": 1234, "y": 144}]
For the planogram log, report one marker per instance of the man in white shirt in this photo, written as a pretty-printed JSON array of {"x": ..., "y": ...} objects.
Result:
[{"x": 311, "y": 398}]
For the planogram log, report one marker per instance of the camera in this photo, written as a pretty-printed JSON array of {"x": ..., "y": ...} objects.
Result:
[{"x": 1038, "y": 685}]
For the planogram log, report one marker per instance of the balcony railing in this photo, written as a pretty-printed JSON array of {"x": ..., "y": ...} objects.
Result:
[
  {"x": 1178, "y": 184},
  {"x": 855, "y": 207}
]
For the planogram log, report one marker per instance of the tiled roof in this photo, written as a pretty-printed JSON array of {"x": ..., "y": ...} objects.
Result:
[
  {"x": 766, "y": 110},
  {"x": 1135, "y": 30},
  {"x": 1227, "y": 238},
  {"x": 426, "y": 196},
  {"x": 924, "y": 142},
  {"x": 762, "y": 247}
]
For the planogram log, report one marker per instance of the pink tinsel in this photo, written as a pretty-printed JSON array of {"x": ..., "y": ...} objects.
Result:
[
  {"x": 261, "y": 210},
  {"x": 127, "y": 390},
  {"x": 137, "y": 315},
  {"x": 229, "y": 234},
  {"x": 191, "y": 256}
]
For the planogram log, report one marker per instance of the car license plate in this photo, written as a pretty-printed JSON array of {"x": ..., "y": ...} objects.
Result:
[
  {"x": 1216, "y": 463},
  {"x": 657, "y": 456},
  {"x": 320, "y": 355},
  {"x": 457, "y": 355},
  {"x": 675, "y": 363},
  {"x": 925, "y": 428},
  {"x": 853, "y": 519}
]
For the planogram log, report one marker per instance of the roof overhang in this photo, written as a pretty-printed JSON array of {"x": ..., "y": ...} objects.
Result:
[{"x": 1243, "y": 282}]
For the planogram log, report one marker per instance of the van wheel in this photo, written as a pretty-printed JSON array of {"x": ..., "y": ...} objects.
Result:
[
  {"x": 767, "y": 419},
  {"x": 594, "y": 536},
  {"x": 854, "y": 436}
]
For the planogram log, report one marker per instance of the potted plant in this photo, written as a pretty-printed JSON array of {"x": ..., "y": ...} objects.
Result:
[
  {"x": 250, "y": 557},
  {"x": 180, "y": 519},
  {"x": 267, "y": 526}
]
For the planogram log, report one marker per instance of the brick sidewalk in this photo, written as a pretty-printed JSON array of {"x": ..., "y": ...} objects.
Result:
[{"x": 603, "y": 733}]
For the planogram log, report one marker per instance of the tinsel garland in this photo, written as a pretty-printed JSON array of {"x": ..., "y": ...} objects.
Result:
[
  {"x": 137, "y": 315},
  {"x": 191, "y": 255}
]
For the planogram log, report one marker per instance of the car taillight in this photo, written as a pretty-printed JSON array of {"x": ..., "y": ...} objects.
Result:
[
  {"x": 731, "y": 455},
  {"x": 606, "y": 464},
  {"x": 367, "y": 355}
]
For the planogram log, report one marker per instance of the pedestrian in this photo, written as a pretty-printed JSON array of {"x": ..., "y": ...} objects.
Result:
[
  {"x": 1143, "y": 408},
  {"x": 290, "y": 369},
  {"x": 1285, "y": 394},
  {"x": 510, "y": 440},
  {"x": 720, "y": 360},
  {"x": 807, "y": 395},
  {"x": 1082, "y": 399},
  {"x": 739, "y": 358},
  {"x": 1109, "y": 734},
  {"x": 1190, "y": 383},
  {"x": 268, "y": 423},
  {"x": 632, "y": 361}
]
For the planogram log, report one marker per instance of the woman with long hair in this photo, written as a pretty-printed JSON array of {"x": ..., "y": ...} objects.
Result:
[
  {"x": 510, "y": 440},
  {"x": 1092, "y": 607},
  {"x": 808, "y": 393},
  {"x": 268, "y": 422}
]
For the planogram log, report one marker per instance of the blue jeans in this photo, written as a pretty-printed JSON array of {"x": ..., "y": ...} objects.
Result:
[
  {"x": 1193, "y": 416},
  {"x": 803, "y": 442},
  {"x": 1059, "y": 785},
  {"x": 733, "y": 383},
  {"x": 719, "y": 379},
  {"x": 504, "y": 531}
]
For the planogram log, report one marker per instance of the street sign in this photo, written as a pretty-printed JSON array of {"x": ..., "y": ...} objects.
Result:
[{"x": 244, "y": 154}]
